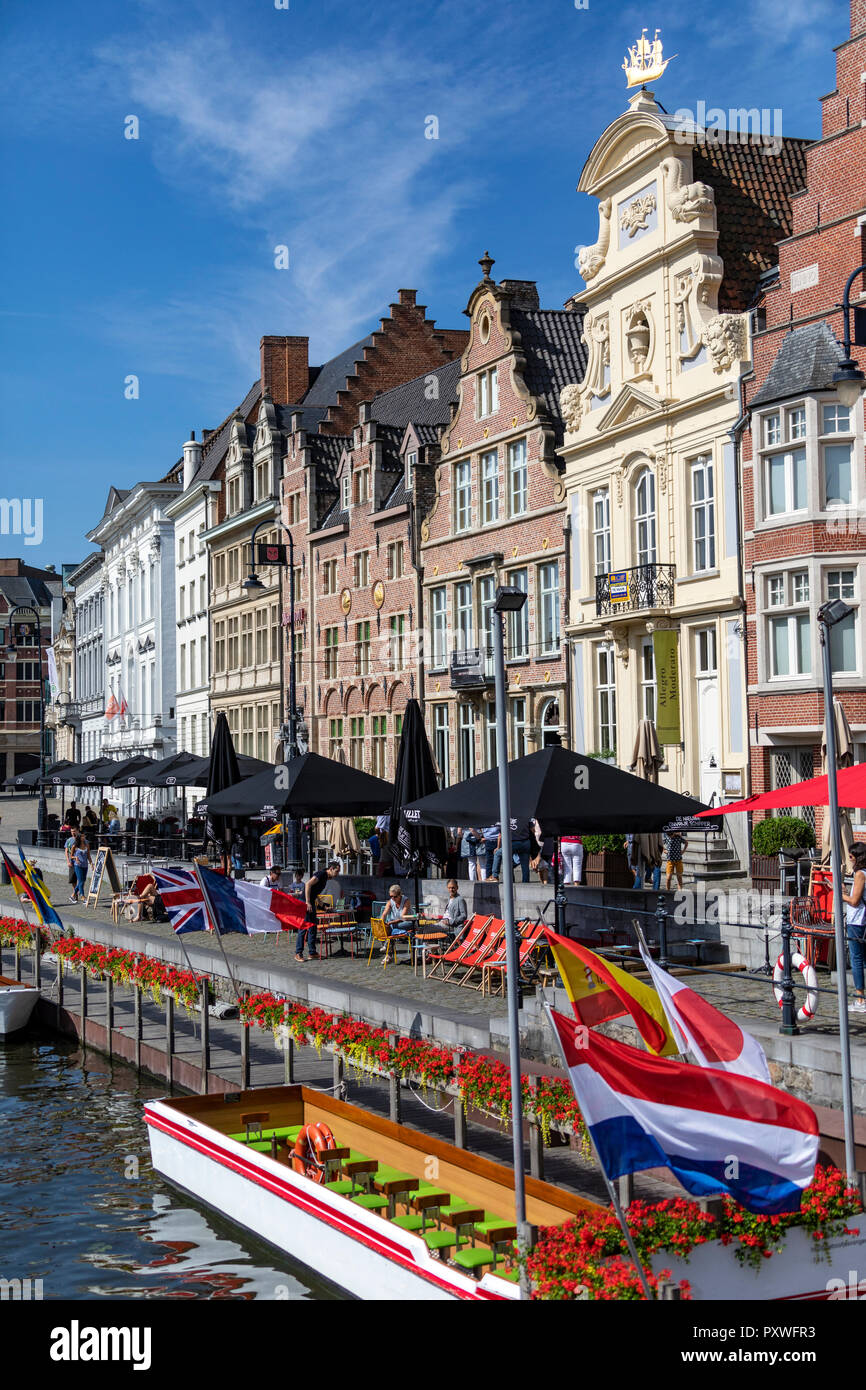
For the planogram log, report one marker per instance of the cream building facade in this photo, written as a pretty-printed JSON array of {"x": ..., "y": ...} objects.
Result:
[{"x": 651, "y": 467}]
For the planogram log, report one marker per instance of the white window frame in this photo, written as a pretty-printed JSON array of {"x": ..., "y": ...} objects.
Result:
[
  {"x": 518, "y": 620},
  {"x": 439, "y": 628},
  {"x": 518, "y": 478},
  {"x": 489, "y": 467},
  {"x": 645, "y": 522},
  {"x": 549, "y": 617},
  {"x": 442, "y": 741},
  {"x": 648, "y": 682},
  {"x": 605, "y": 704},
  {"x": 600, "y": 519},
  {"x": 850, "y": 596},
  {"x": 463, "y": 495},
  {"x": 703, "y": 513},
  {"x": 486, "y": 393},
  {"x": 706, "y": 651}
]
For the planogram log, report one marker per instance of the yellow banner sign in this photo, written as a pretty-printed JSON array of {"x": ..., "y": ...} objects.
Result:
[{"x": 667, "y": 660}]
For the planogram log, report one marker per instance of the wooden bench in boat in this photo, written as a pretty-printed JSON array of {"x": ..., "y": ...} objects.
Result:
[{"x": 460, "y": 1204}]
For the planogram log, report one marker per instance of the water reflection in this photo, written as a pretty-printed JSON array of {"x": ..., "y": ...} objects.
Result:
[{"x": 82, "y": 1209}]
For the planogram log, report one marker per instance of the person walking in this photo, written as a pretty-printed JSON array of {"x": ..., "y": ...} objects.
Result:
[
  {"x": 492, "y": 840},
  {"x": 571, "y": 848},
  {"x": 521, "y": 848},
  {"x": 81, "y": 859},
  {"x": 855, "y": 912},
  {"x": 673, "y": 849},
  {"x": 69, "y": 849},
  {"x": 315, "y": 884}
]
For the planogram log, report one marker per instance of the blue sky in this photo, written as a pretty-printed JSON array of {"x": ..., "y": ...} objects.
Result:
[{"x": 302, "y": 127}]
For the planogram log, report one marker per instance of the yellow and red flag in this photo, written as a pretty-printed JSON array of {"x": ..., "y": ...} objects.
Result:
[{"x": 600, "y": 991}]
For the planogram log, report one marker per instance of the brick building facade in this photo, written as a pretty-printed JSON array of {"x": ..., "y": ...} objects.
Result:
[
  {"x": 22, "y": 664},
  {"x": 803, "y": 472}
]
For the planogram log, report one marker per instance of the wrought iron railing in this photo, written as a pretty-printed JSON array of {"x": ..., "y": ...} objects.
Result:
[{"x": 633, "y": 590}]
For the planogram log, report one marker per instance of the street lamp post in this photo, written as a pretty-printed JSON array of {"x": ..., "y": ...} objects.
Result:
[
  {"x": 828, "y": 616},
  {"x": 31, "y": 615},
  {"x": 510, "y": 599},
  {"x": 251, "y": 584}
]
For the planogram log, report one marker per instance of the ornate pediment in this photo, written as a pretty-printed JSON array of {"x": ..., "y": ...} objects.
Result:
[{"x": 630, "y": 404}]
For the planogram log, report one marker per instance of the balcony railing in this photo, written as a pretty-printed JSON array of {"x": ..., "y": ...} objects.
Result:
[
  {"x": 472, "y": 669},
  {"x": 641, "y": 589}
]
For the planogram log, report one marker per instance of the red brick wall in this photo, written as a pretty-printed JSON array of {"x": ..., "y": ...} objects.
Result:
[{"x": 285, "y": 370}]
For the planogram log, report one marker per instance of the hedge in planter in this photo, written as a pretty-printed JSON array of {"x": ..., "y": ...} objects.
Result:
[{"x": 781, "y": 832}]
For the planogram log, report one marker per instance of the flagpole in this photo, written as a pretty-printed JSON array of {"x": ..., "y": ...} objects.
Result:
[
  {"x": 632, "y": 1249},
  {"x": 213, "y": 921}
]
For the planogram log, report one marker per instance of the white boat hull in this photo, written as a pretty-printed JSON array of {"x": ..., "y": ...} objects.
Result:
[
  {"x": 352, "y": 1248},
  {"x": 17, "y": 1003}
]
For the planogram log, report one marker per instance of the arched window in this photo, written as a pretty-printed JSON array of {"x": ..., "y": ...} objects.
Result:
[
  {"x": 645, "y": 517},
  {"x": 550, "y": 723}
]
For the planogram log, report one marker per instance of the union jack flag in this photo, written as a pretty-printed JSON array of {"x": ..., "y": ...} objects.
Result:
[{"x": 181, "y": 893}]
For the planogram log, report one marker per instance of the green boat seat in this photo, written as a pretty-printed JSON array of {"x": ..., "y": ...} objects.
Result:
[
  {"x": 440, "y": 1240},
  {"x": 457, "y": 1205},
  {"x": 427, "y": 1190},
  {"x": 413, "y": 1221},
  {"x": 342, "y": 1186},
  {"x": 473, "y": 1258},
  {"x": 385, "y": 1174},
  {"x": 260, "y": 1146},
  {"x": 370, "y": 1201},
  {"x": 287, "y": 1132},
  {"x": 512, "y": 1275},
  {"x": 491, "y": 1224}
]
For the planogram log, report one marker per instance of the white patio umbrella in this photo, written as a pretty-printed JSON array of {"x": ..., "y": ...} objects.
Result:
[
  {"x": 844, "y": 758},
  {"x": 647, "y": 758}
]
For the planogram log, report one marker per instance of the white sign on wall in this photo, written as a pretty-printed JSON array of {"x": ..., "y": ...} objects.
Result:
[{"x": 804, "y": 279}]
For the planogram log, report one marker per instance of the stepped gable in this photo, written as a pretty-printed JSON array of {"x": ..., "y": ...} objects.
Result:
[
  {"x": 551, "y": 341},
  {"x": 804, "y": 363},
  {"x": 407, "y": 344},
  {"x": 754, "y": 189},
  {"x": 216, "y": 442}
]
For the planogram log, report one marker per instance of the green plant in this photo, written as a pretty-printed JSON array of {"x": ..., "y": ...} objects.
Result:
[
  {"x": 781, "y": 832},
  {"x": 603, "y": 753},
  {"x": 364, "y": 826},
  {"x": 594, "y": 844}
]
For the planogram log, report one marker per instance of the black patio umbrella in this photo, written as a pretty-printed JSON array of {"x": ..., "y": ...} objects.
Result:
[
  {"x": 196, "y": 771},
  {"x": 34, "y": 776},
  {"x": 307, "y": 786},
  {"x": 415, "y": 844},
  {"x": 166, "y": 772},
  {"x": 223, "y": 773},
  {"x": 98, "y": 772},
  {"x": 568, "y": 793},
  {"x": 129, "y": 772}
]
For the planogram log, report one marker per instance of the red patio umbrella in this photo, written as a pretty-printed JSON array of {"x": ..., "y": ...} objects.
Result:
[{"x": 850, "y": 785}]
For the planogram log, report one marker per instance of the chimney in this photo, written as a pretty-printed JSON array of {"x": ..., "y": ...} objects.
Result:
[
  {"x": 285, "y": 369},
  {"x": 523, "y": 293},
  {"x": 191, "y": 460}
]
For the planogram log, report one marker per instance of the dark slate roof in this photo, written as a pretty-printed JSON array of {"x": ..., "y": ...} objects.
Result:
[
  {"x": 427, "y": 434},
  {"x": 805, "y": 362},
  {"x": 753, "y": 189},
  {"x": 398, "y": 495},
  {"x": 216, "y": 445},
  {"x": 311, "y": 416},
  {"x": 335, "y": 517},
  {"x": 328, "y": 449},
  {"x": 21, "y": 591},
  {"x": 331, "y": 378},
  {"x": 555, "y": 354},
  {"x": 115, "y": 495},
  {"x": 409, "y": 403}
]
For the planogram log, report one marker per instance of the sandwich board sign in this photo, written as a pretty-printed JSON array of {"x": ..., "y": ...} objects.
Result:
[{"x": 104, "y": 861}]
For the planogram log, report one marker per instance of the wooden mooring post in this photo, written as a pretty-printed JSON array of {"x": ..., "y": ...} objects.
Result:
[
  {"x": 245, "y": 1054},
  {"x": 37, "y": 958},
  {"x": 83, "y": 1006},
  {"x": 395, "y": 1106},
  {"x": 169, "y": 1036},
  {"x": 136, "y": 1012},
  {"x": 109, "y": 1012}
]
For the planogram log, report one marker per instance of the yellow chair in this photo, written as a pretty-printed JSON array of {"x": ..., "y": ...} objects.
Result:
[{"x": 380, "y": 931}]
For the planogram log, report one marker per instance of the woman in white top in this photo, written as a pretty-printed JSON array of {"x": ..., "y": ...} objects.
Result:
[{"x": 856, "y": 914}]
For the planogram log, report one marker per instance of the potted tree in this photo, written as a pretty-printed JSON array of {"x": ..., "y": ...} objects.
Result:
[
  {"x": 771, "y": 835},
  {"x": 606, "y": 862}
]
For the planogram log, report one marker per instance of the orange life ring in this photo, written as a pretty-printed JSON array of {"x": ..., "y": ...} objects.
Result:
[{"x": 309, "y": 1149}]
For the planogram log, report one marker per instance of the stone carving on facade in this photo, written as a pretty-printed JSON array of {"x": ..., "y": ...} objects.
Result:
[
  {"x": 635, "y": 216},
  {"x": 639, "y": 337},
  {"x": 571, "y": 405},
  {"x": 686, "y": 201},
  {"x": 695, "y": 292},
  {"x": 590, "y": 259},
  {"x": 596, "y": 335},
  {"x": 619, "y": 636},
  {"x": 726, "y": 341}
]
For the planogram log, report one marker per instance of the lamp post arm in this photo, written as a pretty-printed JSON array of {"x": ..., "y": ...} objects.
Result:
[{"x": 846, "y": 309}]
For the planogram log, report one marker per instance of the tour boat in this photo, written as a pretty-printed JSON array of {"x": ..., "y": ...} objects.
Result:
[
  {"x": 17, "y": 1002},
  {"x": 385, "y": 1223}
]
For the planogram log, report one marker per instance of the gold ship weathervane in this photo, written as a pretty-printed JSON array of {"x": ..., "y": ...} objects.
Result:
[{"x": 645, "y": 61}]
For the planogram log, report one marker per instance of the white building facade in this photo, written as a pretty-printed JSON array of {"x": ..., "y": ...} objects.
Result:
[
  {"x": 137, "y": 538},
  {"x": 85, "y": 711}
]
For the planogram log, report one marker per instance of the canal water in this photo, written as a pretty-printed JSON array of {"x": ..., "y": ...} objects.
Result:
[{"x": 82, "y": 1209}]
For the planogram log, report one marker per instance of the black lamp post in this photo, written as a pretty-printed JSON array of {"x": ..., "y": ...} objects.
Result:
[
  {"x": 847, "y": 378},
  {"x": 251, "y": 584},
  {"x": 31, "y": 615}
]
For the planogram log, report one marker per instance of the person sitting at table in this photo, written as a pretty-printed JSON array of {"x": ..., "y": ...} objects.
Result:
[
  {"x": 271, "y": 878},
  {"x": 397, "y": 910},
  {"x": 90, "y": 823},
  {"x": 113, "y": 827},
  {"x": 855, "y": 912},
  {"x": 456, "y": 912}
]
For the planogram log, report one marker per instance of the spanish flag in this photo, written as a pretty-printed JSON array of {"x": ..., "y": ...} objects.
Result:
[
  {"x": 600, "y": 991},
  {"x": 29, "y": 886}
]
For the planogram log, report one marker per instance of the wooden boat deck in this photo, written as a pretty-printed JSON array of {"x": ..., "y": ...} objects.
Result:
[
  {"x": 464, "y": 1175},
  {"x": 7, "y": 983}
]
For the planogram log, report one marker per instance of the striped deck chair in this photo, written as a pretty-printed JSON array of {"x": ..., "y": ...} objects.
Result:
[
  {"x": 490, "y": 942},
  {"x": 531, "y": 938},
  {"x": 469, "y": 937}
]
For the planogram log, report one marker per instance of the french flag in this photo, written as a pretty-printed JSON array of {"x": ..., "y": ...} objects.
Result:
[
  {"x": 239, "y": 906},
  {"x": 715, "y": 1131},
  {"x": 713, "y": 1039}
]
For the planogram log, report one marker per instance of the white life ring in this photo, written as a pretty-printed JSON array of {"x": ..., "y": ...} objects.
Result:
[{"x": 810, "y": 979}]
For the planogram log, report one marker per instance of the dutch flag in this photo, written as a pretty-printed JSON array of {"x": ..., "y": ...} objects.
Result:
[{"x": 715, "y": 1131}]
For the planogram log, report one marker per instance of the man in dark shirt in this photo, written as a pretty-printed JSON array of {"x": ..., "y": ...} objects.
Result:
[
  {"x": 73, "y": 816},
  {"x": 315, "y": 884},
  {"x": 521, "y": 847}
]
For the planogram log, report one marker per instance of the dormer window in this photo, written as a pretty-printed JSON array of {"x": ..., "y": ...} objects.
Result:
[
  {"x": 487, "y": 393},
  {"x": 411, "y": 461},
  {"x": 346, "y": 491}
]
